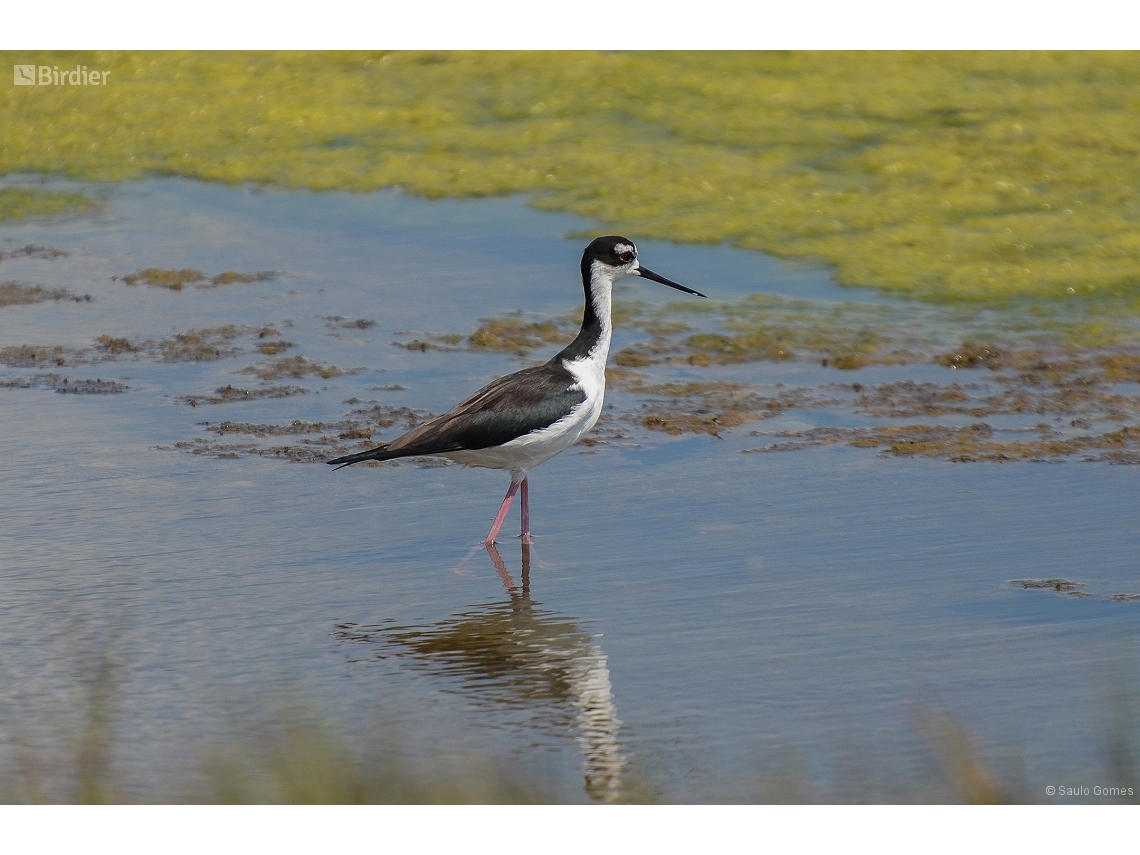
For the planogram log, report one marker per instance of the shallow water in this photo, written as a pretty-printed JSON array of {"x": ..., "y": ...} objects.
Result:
[{"x": 695, "y": 623}]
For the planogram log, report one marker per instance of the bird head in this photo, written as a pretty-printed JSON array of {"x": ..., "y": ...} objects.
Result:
[{"x": 614, "y": 257}]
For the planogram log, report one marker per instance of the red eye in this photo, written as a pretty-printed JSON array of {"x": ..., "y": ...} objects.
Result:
[{"x": 626, "y": 256}]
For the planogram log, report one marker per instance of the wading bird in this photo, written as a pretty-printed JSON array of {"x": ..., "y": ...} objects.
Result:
[{"x": 525, "y": 418}]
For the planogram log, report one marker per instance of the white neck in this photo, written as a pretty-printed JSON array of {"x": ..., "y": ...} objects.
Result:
[{"x": 601, "y": 295}]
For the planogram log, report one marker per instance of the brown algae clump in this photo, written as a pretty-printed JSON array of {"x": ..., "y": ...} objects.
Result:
[
  {"x": 114, "y": 346},
  {"x": 32, "y": 250},
  {"x": 196, "y": 345},
  {"x": 15, "y": 294},
  {"x": 707, "y": 407},
  {"x": 709, "y": 348},
  {"x": 1120, "y": 367},
  {"x": 272, "y": 348},
  {"x": 446, "y": 342},
  {"x": 26, "y": 356},
  {"x": 171, "y": 279},
  {"x": 294, "y": 428},
  {"x": 1056, "y": 584},
  {"x": 231, "y": 278},
  {"x": 339, "y": 322},
  {"x": 65, "y": 385},
  {"x": 513, "y": 334},
  {"x": 296, "y": 366},
  {"x": 765, "y": 328},
  {"x": 176, "y": 280},
  {"x": 200, "y": 345},
  {"x": 229, "y": 394},
  {"x": 313, "y": 442},
  {"x": 909, "y": 398},
  {"x": 973, "y": 355},
  {"x": 972, "y": 443}
]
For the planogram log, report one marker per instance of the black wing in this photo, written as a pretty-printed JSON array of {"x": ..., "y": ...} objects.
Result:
[{"x": 505, "y": 409}]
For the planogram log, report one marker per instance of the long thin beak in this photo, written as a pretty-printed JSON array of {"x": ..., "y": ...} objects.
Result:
[{"x": 649, "y": 274}]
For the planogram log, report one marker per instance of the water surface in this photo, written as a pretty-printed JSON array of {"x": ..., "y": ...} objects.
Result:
[{"x": 694, "y": 622}]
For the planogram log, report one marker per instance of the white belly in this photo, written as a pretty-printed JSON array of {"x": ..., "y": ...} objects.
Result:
[{"x": 521, "y": 455}]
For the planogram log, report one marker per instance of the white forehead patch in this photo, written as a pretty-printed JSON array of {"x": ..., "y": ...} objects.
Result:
[{"x": 624, "y": 247}]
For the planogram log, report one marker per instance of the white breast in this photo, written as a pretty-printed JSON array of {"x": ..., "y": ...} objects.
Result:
[{"x": 523, "y": 454}]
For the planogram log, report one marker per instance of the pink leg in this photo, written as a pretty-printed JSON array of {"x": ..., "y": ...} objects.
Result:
[
  {"x": 525, "y": 497},
  {"x": 506, "y": 506}
]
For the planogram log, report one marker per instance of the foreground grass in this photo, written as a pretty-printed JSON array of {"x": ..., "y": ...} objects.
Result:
[
  {"x": 292, "y": 758},
  {"x": 977, "y": 176},
  {"x": 286, "y": 751}
]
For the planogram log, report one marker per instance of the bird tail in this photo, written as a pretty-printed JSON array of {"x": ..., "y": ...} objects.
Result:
[{"x": 381, "y": 453}]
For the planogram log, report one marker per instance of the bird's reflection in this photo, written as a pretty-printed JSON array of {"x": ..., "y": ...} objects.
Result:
[{"x": 518, "y": 654}]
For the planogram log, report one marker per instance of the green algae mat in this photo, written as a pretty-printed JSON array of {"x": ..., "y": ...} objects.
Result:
[{"x": 981, "y": 177}]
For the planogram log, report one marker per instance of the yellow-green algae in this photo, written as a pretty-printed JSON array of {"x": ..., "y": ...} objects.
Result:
[
  {"x": 21, "y": 203},
  {"x": 946, "y": 176}
]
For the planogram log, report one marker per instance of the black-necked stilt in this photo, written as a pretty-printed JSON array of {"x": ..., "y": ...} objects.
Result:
[{"x": 525, "y": 418}]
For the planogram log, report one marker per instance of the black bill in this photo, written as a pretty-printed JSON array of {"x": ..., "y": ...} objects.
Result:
[{"x": 649, "y": 274}]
